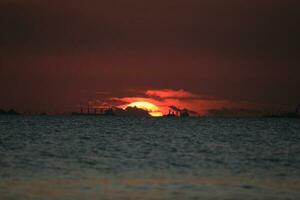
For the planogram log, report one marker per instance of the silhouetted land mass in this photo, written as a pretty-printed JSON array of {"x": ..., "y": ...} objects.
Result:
[
  {"x": 242, "y": 112},
  {"x": 9, "y": 112},
  {"x": 283, "y": 115},
  {"x": 234, "y": 112},
  {"x": 295, "y": 114}
]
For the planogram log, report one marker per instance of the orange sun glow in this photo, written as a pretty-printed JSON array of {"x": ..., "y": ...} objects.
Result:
[{"x": 153, "y": 110}]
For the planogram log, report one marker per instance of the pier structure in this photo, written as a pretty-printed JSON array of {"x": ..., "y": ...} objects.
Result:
[{"x": 89, "y": 110}]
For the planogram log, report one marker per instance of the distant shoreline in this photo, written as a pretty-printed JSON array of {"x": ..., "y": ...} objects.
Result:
[{"x": 165, "y": 116}]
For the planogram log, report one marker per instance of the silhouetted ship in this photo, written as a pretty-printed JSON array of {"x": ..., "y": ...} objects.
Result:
[{"x": 177, "y": 112}]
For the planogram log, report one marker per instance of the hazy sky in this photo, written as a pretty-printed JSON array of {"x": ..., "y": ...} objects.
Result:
[{"x": 55, "y": 54}]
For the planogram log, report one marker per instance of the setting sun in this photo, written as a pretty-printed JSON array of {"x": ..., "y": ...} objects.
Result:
[{"x": 153, "y": 110}]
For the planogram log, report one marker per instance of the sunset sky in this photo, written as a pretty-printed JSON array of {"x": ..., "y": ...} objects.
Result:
[{"x": 198, "y": 54}]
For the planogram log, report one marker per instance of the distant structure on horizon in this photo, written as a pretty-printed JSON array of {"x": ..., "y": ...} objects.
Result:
[
  {"x": 295, "y": 114},
  {"x": 87, "y": 110},
  {"x": 129, "y": 111},
  {"x": 111, "y": 111},
  {"x": 177, "y": 112},
  {"x": 9, "y": 112}
]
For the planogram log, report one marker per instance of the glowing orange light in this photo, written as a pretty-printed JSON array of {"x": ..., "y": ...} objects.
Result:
[{"x": 153, "y": 110}]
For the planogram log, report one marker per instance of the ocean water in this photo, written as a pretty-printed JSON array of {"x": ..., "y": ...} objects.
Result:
[{"x": 73, "y": 157}]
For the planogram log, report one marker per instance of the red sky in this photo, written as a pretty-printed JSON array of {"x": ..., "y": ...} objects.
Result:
[
  {"x": 56, "y": 54},
  {"x": 181, "y": 99}
]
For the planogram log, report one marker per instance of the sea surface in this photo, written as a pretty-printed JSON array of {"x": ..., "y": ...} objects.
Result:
[{"x": 86, "y": 158}]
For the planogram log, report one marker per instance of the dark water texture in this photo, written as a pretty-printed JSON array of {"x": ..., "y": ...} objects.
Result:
[{"x": 64, "y": 157}]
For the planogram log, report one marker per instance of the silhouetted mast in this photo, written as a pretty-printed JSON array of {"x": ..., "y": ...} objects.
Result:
[{"x": 81, "y": 108}]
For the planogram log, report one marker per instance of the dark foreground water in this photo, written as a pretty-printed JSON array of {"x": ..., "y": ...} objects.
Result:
[{"x": 70, "y": 158}]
